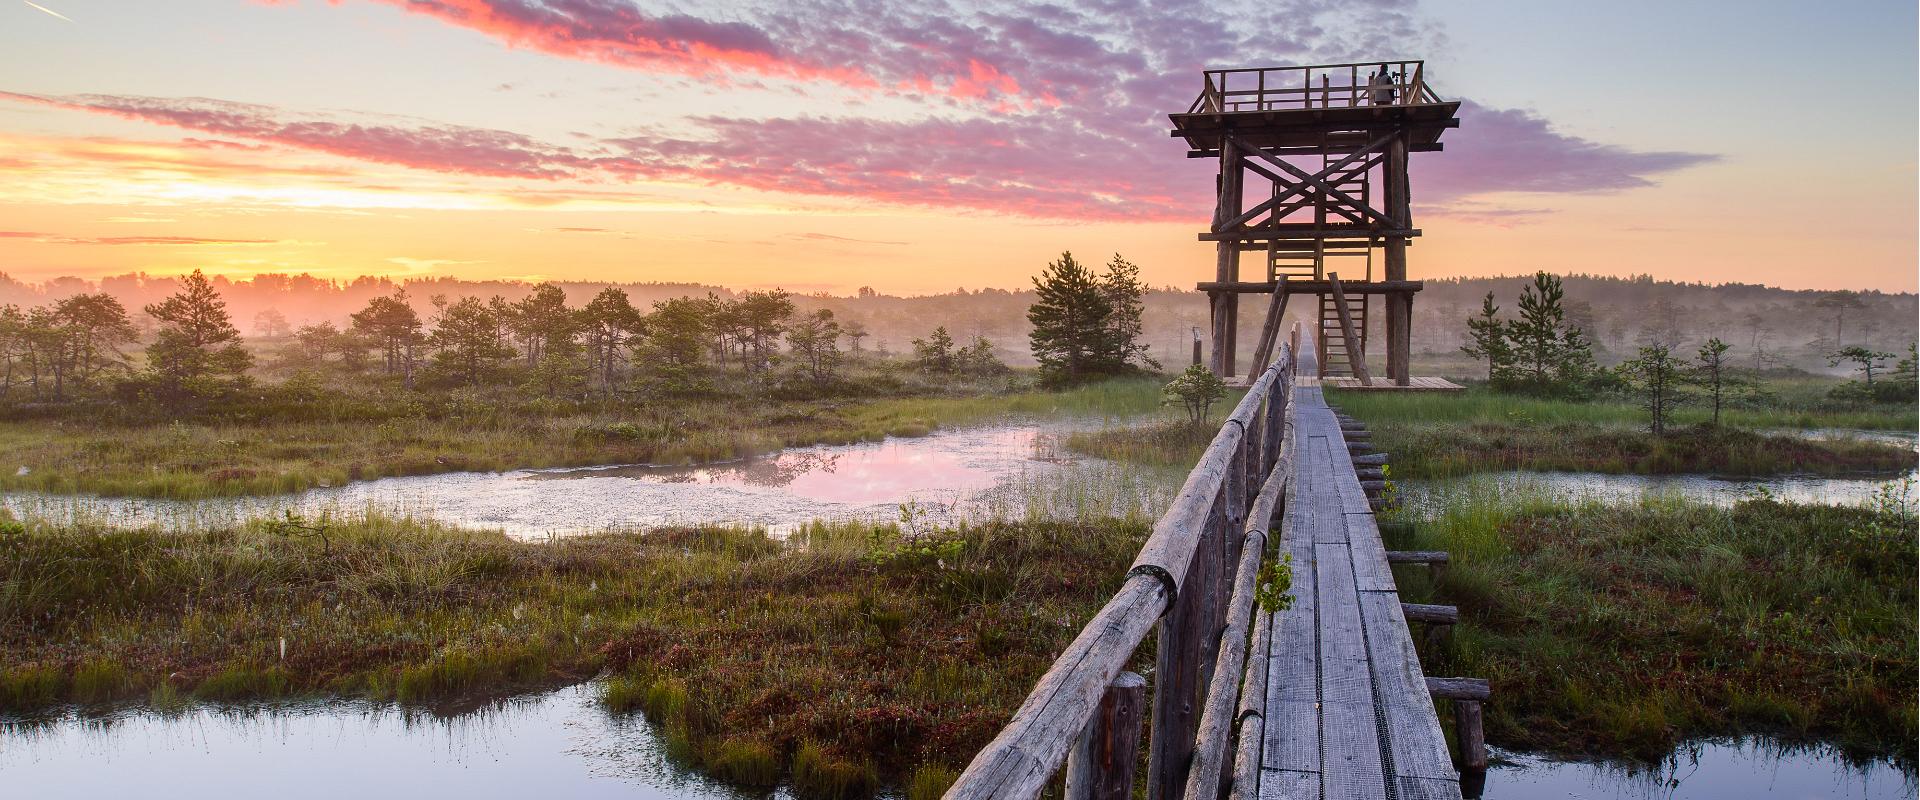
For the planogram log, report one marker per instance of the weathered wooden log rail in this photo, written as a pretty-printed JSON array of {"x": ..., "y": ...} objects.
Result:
[{"x": 1246, "y": 702}]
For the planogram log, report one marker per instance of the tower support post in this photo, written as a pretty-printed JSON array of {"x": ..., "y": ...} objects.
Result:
[
  {"x": 1399, "y": 304},
  {"x": 1226, "y": 305}
]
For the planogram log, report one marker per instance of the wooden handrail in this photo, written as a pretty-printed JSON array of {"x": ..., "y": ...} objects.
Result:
[
  {"x": 1223, "y": 694},
  {"x": 1031, "y": 748}
]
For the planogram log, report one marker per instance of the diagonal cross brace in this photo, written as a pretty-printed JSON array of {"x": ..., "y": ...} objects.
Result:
[
  {"x": 1292, "y": 189},
  {"x": 1318, "y": 181}
]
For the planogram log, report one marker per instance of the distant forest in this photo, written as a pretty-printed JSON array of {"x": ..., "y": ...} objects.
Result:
[{"x": 1767, "y": 326}]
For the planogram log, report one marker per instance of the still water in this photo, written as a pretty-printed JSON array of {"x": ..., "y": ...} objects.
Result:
[
  {"x": 1716, "y": 770},
  {"x": 1016, "y": 470},
  {"x": 561, "y": 744},
  {"x": 558, "y": 744},
  {"x": 1720, "y": 490}
]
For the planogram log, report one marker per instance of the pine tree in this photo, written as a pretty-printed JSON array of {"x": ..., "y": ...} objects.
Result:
[
  {"x": 467, "y": 340},
  {"x": 1536, "y": 333},
  {"x": 1125, "y": 295},
  {"x": 1713, "y": 372},
  {"x": 538, "y": 320},
  {"x": 395, "y": 327},
  {"x": 197, "y": 347},
  {"x": 668, "y": 357},
  {"x": 815, "y": 345},
  {"x": 1550, "y": 356},
  {"x": 1072, "y": 338},
  {"x": 1661, "y": 380},
  {"x": 610, "y": 323},
  {"x": 935, "y": 353},
  {"x": 1489, "y": 341}
]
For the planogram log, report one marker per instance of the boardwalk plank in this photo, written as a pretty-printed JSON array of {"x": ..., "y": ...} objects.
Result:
[
  {"x": 1293, "y": 735},
  {"x": 1371, "y": 570},
  {"x": 1425, "y": 789},
  {"x": 1287, "y": 784},
  {"x": 1419, "y": 749},
  {"x": 1293, "y": 663}
]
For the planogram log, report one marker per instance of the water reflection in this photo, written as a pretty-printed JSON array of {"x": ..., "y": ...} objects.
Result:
[
  {"x": 949, "y": 475},
  {"x": 558, "y": 744},
  {"x": 1712, "y": 489},
  {"x": 1709, "y": 770}
]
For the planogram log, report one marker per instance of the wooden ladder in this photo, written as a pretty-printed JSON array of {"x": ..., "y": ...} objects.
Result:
[{"x": 1343, "y": 336}]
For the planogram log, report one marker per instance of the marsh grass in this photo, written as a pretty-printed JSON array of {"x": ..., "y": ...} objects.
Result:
[
  {"x": 846, "y": 656},
  {"x": 1432, "y": 435},
  {"x": 193, "y": 460},
  {"x": 1625, "y": 629},
  {"x": 1165, "y": 442}
]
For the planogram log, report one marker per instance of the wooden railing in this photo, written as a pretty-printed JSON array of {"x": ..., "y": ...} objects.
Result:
[
  {"x": 1384, "y": 83},
  {"x": 1195, "y": 579}
]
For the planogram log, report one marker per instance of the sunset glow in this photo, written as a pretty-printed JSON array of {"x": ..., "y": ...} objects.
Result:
[{"x": 820, "y": 147}]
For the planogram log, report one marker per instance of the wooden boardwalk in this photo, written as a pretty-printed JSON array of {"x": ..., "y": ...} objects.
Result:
[
  {"x": 1324, "y": 700},
  {"x": 1347, "y": 710}
]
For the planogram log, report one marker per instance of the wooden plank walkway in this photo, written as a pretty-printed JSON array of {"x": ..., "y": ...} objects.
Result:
[
  {"x": 1416, "y": 383},
  {"x": 1347, "y": 710}
]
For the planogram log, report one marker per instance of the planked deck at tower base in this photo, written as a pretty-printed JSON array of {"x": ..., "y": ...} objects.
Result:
[
  {"x": 1348, "y": 383},
  {"x": 1351, "y": 384}
]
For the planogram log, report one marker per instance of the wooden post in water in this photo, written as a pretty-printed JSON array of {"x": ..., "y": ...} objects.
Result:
[
  {"x": 1472, "y": 737},
  {"x": 1100, "y": 766}
]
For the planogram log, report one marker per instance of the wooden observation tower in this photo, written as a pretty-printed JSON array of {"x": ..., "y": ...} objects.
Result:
[{"x": 1328, "y": 210}]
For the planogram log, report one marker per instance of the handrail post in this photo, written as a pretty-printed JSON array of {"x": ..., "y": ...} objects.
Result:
[
  {"x": 1100, "y": 766},
  {"x": 1179, "y": 655}
]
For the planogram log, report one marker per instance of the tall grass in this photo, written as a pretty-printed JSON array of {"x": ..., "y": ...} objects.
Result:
[{"x": 1624, "y": 629}]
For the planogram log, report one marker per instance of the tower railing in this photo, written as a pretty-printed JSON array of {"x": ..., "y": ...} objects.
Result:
[{"x": 1381, "y": 83}]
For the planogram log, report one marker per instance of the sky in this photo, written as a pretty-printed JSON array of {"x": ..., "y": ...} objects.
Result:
[{"x": 825, "y": 145}]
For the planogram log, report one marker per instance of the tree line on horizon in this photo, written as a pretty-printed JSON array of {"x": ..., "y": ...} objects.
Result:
[
  {"x": 79, "y": 347},
  {"x": 1539, "y": 351}
]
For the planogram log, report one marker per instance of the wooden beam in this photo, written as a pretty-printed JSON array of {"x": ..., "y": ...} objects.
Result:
[
  {"x": 1337, "y": 171},
  {"x": 1293, "y": 231},
  {"x": 1460, "y": 688},
  {"x": 1330, "y": 191},
  {"x": 1312, "y": 287},
  {"x": 1431, "y": 614},
  {"x": 1270, "y": 329},
  {"x": 1356, "y": 351}
]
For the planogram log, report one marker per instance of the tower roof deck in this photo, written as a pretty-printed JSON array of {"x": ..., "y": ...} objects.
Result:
[{"x": 1326, "y": 106}]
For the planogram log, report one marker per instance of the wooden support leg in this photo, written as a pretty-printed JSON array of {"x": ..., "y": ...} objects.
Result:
[
  {"x": 1472, "y": 736},
  {"x": 1100, "y": 765},
  {"x": 1398, "y": 339}
]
